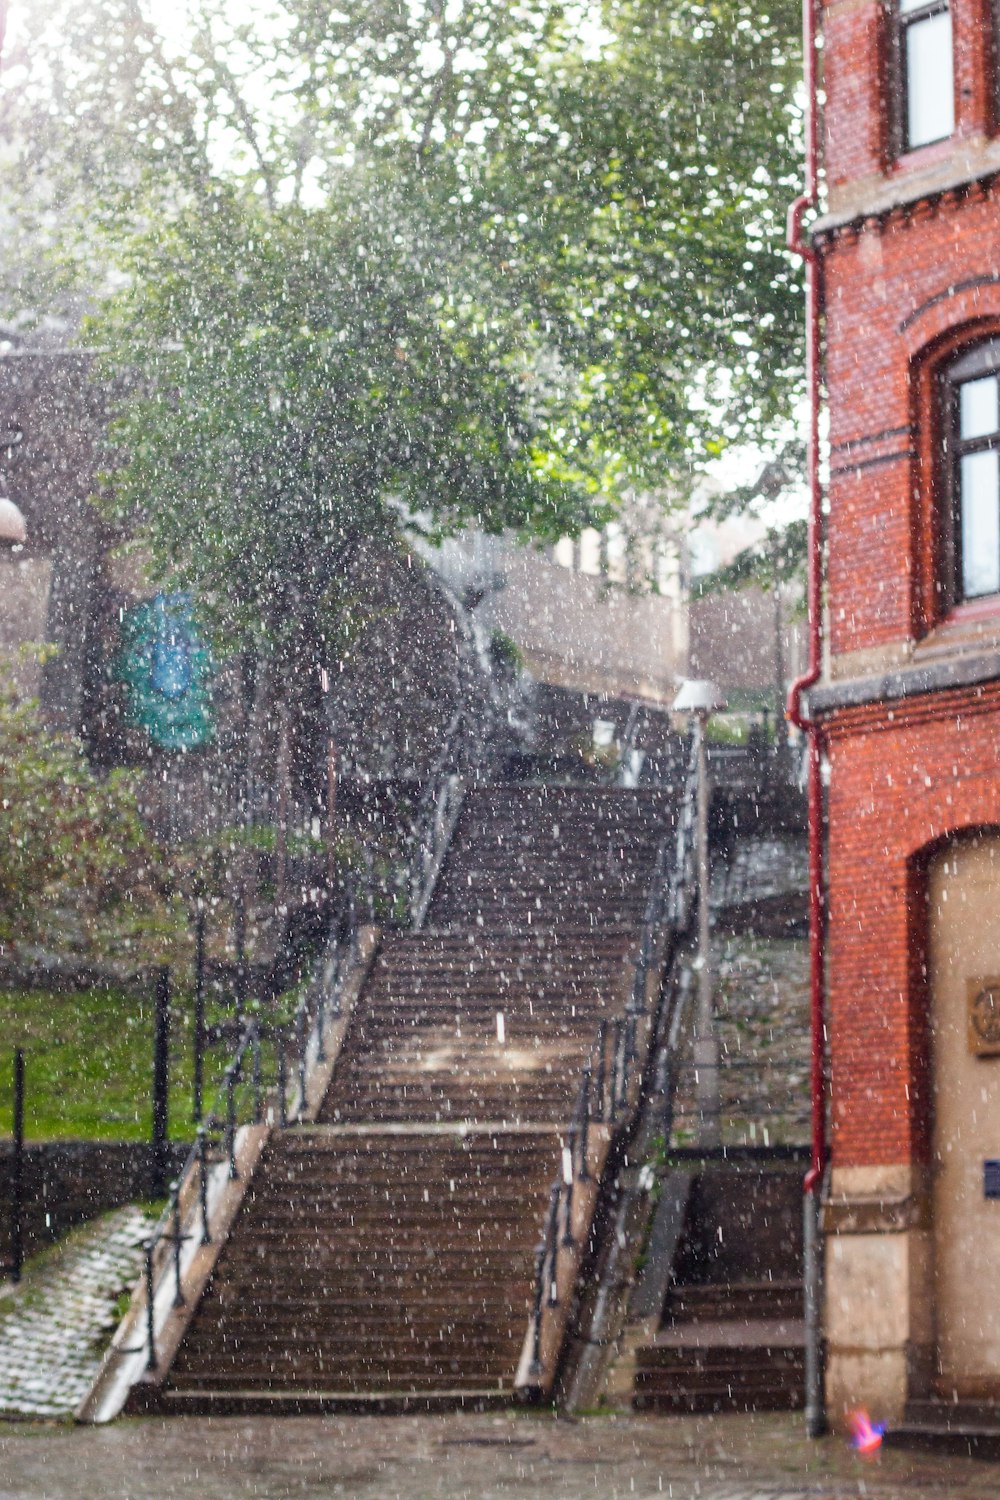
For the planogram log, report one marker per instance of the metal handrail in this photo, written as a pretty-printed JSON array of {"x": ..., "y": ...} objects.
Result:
[
  {"x": 610, "y": 1076},
  {"x": 299, "y": 1042}
]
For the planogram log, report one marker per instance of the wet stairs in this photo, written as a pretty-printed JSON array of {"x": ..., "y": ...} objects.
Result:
[
  {"x": 732, "y": 1336},
  {"x": 383, "y": 1257}
]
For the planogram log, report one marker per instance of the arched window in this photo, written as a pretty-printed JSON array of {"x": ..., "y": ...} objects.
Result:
[{"x": 971, "y": 432}]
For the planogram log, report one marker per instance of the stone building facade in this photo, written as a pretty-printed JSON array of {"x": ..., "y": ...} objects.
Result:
[{"x": 909, "y": 702}]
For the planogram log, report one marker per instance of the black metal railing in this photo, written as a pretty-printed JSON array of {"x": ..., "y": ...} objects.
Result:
[
  {"x": 265, "y": 1080},
  {"x": 611, "y": 1079}
]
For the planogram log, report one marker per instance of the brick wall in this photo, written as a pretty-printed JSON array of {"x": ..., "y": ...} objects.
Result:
[
  {"x": 902, "y": 291},
  {"x": 903, "y": 778},
  {"x": 857, "y": 69},
  {"x": 909, "y": 275}
]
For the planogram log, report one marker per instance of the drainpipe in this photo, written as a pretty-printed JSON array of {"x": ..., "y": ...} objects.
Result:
[{"x": 815, "y": 1405}]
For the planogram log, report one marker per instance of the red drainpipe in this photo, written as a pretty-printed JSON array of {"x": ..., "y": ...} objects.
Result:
[{"x": 800, "y": 246}]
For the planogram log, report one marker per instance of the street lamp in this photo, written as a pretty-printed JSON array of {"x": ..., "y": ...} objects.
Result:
[
  {"x": 701, "y": 699},
  {"x": 13, "y": 532}
]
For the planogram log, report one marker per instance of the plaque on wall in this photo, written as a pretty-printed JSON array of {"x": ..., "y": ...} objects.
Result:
[{"x": 984, "y": 1017}]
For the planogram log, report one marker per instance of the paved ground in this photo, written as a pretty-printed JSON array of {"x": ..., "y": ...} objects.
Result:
[
  {"x": 55, "y": 1325},
  {"x": 466, "y": 1458}
]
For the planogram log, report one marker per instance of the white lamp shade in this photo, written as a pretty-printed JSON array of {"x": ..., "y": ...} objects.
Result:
[
  {"x": 13, "y": 532},
  {"x": 699, "y": 696}
]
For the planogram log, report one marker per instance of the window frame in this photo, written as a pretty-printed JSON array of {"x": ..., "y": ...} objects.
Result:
[
  {"x": 969, "y": 362},
  {"x": 900, "y": 22}
]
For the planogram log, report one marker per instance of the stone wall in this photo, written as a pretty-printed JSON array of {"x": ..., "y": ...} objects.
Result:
[{"x": 68, "y": 1182}]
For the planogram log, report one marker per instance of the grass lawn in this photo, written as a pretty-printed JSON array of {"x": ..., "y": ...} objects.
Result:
[{"x": 89, "y": 1064}]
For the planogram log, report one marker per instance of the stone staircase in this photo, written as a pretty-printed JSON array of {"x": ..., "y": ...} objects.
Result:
[
  {"x": 384, "y": 1255},
  {"x": 732, "y": 1336}
]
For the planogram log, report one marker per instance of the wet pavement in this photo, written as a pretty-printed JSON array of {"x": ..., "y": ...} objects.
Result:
[{"x": 467, "y": 1457}]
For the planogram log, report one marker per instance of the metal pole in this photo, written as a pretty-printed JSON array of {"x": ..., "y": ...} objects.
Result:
[
  {"x": 282, "y": 1079},
  {"x": 300, "y": 1042},
  {"x": 17, "y": 1171},
  {"x": 150, "y": 1310},
  {"x": 585, "y": 1121},
  {"x": 199, "y": 1010},
  {"x": 206, "y": 1234},
  {"x": 256, "y": 1075},
  {"x": 161, "y": 1060},
  {"x": 331, "y": 816},
  {"x": 602, "y": 1058},
  {"x": 535, "y": 1368},
  {"x": 178, "y": 1239},
  {"x": 706, "y": 1047},
  {"x": 240, "y": 939},
  {"x": 812, "y": 1241},
  {"x": 231, "y": 1121}
]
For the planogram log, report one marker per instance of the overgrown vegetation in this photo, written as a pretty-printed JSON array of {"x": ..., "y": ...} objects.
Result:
[{"x": 78, "y": 872}]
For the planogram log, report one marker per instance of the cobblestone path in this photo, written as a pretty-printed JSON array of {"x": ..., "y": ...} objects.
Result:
[
  {"x": 506, "y": 1456},
  {"x": 53, "y": 1327}
]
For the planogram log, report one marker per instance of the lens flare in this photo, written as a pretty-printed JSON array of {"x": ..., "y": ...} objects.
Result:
[{"x": 866, "y": 1435}]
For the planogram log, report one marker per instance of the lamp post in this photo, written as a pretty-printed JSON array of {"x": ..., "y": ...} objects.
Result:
[
  {"x": 13, "y": 532},
  {"x": 701, "y": 699}
]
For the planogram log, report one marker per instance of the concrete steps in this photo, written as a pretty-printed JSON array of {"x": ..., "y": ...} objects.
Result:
[
  {"x": 382, "y": 1288},
  {"x": 732, "y": 1334},
  {"x": 384, "y": 1258}
]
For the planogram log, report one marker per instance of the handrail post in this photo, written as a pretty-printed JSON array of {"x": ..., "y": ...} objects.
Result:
[
  {"x": 300, "y": 1042},
  {"x": 569, "y": 1172},
  {"x": 613, "y": 1081},
  {"x": 256, "y": 1075},
  {"x": 206, "y": 1236},
  {"x": 628, "y": 1056},
  {"x": 282, "y": 1078},
  {"x": 321, "y": 1023},
  {"x": 175, "y": 1193},
  {"x": 199, "y": 1010},
  {"x": 161, "y": 1062},
  {"x": 231, "y": 1121},
  {"x": 551, "y": 1235},
  {"x": 602, "y": 1048},
  {"x": 535, "y": 1367},
  {"x": 150, "y": 1310},
  {"x": 585, "y": 1121},
  {"x": 17, "y": 1171}
]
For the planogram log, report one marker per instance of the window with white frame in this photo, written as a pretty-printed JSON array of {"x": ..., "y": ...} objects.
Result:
[
  {"x": 972, "y": 479},
  {"x": 925, "y": 72}
]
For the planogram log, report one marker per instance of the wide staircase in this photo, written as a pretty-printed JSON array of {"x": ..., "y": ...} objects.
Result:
[
  {"x": 384, "y": 1256},
  {"x": 732, "y": 1336}
]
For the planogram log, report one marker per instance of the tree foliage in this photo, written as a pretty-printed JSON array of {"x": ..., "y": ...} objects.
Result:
[
  {"x": 777, "y": 558},
  {"x": 478, "y": 261}
]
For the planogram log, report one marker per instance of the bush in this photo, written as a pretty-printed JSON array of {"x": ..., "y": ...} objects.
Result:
[{"x": 78, "y": 871}]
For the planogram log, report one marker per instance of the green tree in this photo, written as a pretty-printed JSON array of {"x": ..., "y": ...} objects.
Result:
[
  {"x": 308, "y": 377},
  {"x": 436, "y": 262},
  {"x": 624, "y": 164}
]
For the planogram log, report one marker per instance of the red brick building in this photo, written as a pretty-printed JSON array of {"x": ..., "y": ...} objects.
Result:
[{"x": 908, "y": 704}]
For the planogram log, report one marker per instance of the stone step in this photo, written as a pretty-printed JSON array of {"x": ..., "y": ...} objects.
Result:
[
  {"x": 966, "y": 1428},
  {"x": 739, "y": 1300}
]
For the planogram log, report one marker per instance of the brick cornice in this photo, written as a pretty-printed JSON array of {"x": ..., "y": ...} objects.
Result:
[
  {"x": 901, "y": 204},
  {"x": 889, "y": 710}
]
